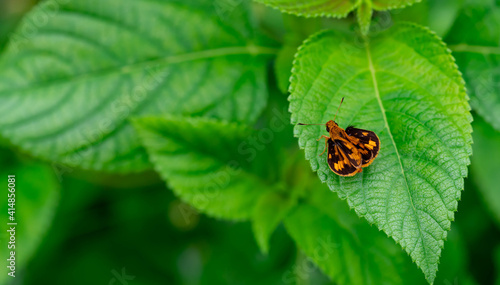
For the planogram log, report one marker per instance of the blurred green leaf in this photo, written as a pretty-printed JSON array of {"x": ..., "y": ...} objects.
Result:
[
  {"x": 328, "y": 8},
  {"x": 485, "y": 158},
  {"x": 206, "y": 163},
  {"x": 454, "y": 263},
  {"x": 10, "y": 14},
  {"x": 270, "y": 210},
  {"x": 68, "y": 87},
  {"x": 234, "y": 257},
  {"x": 442, "y": 15},
  {"x": 497, "y": 263},
  {"x": 102, "y": 230},
  {"x": 36, "y": 197},
  {"x": 297, "y": 30},
  {"x": 475, "y": 41},
  {"x": 412, "y": 96},
  {"x": 346, "y": 248},
  {"x": 438, "y": 15},
  {"x": 283, "y": 65}
]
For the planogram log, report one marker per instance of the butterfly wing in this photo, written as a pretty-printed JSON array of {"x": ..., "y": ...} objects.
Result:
[
  {"x": 342, "y": 158},
  {"x": 368, "y": 146}
]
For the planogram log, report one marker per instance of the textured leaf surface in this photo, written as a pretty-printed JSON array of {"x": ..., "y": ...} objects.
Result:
[
  {"x": 346, "y": 248},
  {"x": 330, "y": 8},
  {"x": 412, "y": 96},
  {"x": 37, "y": 195},
  {"x": 68, "y": 87},
  {"x": 475, "y": 41},
  {"x": 485, "y": 165},
  {"x": 200, "y": 160}
]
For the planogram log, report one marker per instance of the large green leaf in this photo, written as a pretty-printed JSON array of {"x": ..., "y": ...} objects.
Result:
[
  {"x": 331, "y": 8},
  {"x": 36, "y": 197},
  {"x": 207, "y": 163},
  {"x": 404, "y": 86},
  {"x": 68, "y": 86},
  {"x": 475, "y": 41}
]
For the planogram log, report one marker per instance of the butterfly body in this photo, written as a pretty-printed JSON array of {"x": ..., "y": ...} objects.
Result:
[{"x": 349, "y": 150}]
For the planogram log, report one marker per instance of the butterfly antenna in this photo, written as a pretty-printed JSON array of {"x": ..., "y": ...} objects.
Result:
[{"x": 338, "y": 109}]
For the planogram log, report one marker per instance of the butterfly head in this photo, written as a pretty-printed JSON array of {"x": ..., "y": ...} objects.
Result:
[{"x": 331, "y": 125}]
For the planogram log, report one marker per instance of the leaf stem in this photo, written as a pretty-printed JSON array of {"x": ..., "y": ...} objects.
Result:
[{"x": 475, "y": 49}]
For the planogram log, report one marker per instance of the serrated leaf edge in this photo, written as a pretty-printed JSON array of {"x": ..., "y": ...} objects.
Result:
[
  {"x": 457, "y": 76},
  {"x": 311, "y": 15}
]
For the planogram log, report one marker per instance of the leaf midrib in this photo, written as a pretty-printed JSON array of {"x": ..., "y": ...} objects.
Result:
[
  {"x": 382, "y": 109},
  {"x": 252, "y": 50}
]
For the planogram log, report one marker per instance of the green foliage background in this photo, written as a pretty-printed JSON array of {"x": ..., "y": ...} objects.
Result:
[{"x": 159, "y": 139}]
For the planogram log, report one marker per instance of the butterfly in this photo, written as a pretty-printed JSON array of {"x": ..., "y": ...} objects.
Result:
[{"x": 349, "y": 150}]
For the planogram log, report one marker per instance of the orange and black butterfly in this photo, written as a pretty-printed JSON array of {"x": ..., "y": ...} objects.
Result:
[{"x": 349, "y": 150}]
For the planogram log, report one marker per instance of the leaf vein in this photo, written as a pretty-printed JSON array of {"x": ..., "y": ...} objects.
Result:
[{"x": 377, "y": 94}]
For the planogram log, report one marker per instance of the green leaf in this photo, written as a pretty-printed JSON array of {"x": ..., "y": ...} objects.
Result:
[
  {"x": 36, "y": 197},
  {"x": 316, "y": 8},
  {"x": 475, "y": 41},
  {"x": 329, "y": 8},
  {"x": 404, "y": 86},
  {"x": 283, "y": 65},
  {"x": 297, "y": 30},
  {"x": 485, "y": 165},
  {"x": 364, "y": 15},
  {"x": 270, "y": 210},
  {"x": 381, "y": 5},
  {"x": 207, "y": 163},
  {"x": 68, "y": 87},
  {"x": 455, "y": 262},
  {"x": 442, "y": 15},
  {"x": 346, "y": 248}
]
